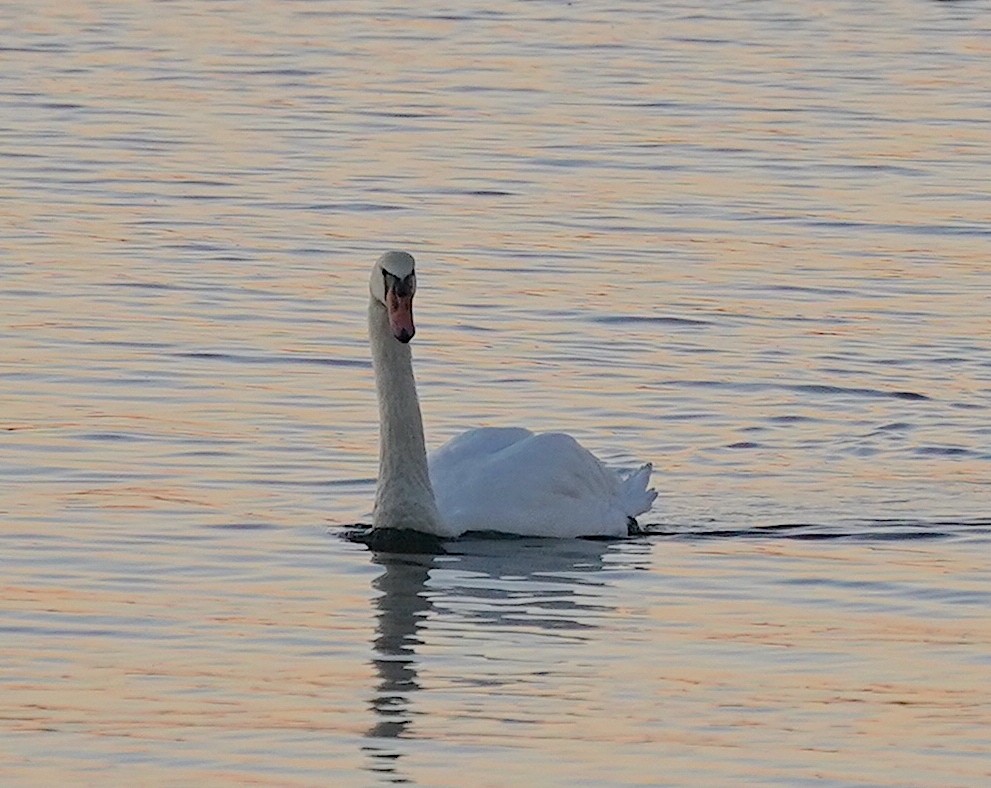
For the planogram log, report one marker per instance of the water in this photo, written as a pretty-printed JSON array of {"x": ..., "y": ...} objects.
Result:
[{"x": 749, "y": 244}]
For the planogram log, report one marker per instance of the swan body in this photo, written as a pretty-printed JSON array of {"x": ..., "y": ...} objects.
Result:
[
  {"x": 508, "y": 480},
  {"x": 514, "y": 481}
]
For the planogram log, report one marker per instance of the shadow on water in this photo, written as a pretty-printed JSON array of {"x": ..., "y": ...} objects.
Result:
[
  {"x": 532, "y": 585},
  {"x": 875, "y": 530},
  {"x": 869, "y": 530}
]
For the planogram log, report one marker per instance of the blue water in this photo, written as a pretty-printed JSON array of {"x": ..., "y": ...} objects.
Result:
[{"x": 749, "y": 244}]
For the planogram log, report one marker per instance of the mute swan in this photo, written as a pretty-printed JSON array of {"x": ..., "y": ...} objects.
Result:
[{"x": 491, "y": 479}]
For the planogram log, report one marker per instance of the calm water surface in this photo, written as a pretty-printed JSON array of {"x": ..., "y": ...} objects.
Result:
[{"x": 750, "y": 244}]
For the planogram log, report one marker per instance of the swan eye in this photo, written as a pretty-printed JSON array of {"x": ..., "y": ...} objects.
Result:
[{"x": 404, "y": 287}]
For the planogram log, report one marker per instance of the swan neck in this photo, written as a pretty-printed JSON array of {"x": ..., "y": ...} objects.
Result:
[{"x": 404, "y": 497}]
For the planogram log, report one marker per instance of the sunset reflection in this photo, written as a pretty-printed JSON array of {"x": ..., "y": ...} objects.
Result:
[{"x": 747, "y": 242}]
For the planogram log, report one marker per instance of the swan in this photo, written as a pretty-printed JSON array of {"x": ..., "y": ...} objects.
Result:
[{"x": 508, "y": 480}]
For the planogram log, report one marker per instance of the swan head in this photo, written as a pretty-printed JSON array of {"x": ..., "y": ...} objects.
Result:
[{"x": 393, "y": 284}]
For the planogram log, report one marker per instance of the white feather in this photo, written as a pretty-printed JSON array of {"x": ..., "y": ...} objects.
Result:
[{"x": 514, "y": 481}]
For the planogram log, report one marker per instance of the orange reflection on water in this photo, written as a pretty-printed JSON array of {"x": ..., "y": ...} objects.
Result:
[{"x": 749, "y": 247}]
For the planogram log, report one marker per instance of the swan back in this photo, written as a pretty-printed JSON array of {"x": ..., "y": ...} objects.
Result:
[{"x": 514, "y": 481}]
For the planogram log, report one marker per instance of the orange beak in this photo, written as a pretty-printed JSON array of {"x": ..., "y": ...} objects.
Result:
[{"x": 401, "y": 316}]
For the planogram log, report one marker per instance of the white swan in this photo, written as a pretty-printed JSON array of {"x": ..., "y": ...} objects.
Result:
[{"x": 491, "y": 479}]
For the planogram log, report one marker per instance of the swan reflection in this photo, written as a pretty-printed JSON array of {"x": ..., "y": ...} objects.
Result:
[
  {"x": 520, "y": 589},
  {"x": 401, "y": 608}
]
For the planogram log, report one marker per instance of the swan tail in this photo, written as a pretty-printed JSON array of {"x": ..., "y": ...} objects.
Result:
[{"x": 636, "y": 496}]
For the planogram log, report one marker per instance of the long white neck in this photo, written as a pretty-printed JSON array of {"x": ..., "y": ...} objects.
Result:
[{"x": 404, "y": 497}]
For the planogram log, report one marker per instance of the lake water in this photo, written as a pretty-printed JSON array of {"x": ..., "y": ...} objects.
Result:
[{"x": 749, "y": 243}]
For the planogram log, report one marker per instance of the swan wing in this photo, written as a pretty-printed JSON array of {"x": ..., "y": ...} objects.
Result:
[{"x": 514, "y": 481}]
